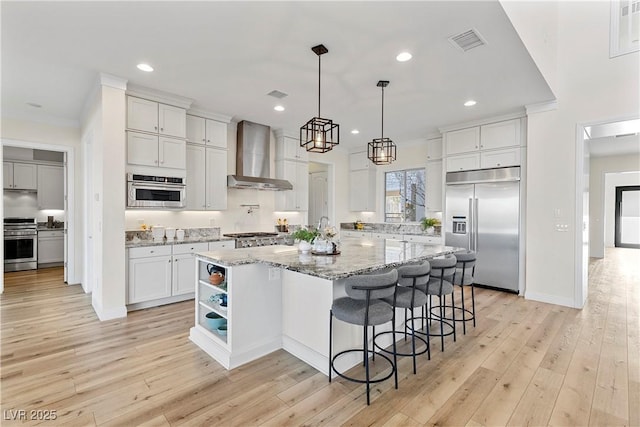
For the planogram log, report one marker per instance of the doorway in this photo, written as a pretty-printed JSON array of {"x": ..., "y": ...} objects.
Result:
[
  {"x": 26, "y": 203},
  {"x": 627, "y": 218}
]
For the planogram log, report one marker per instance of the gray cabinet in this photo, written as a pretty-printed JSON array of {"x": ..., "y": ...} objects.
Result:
[
  {"x": 19, "y": 176},
  {"x": 50, "y": 187},
  {"x": 51, "y": 247}
]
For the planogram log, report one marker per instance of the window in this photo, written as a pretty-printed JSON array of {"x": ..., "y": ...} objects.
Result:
[{"x": 404, "y": 195}]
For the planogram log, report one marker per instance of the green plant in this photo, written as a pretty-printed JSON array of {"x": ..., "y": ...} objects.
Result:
[
  {"x": 304, "y": 234},
  {"x": 430, "y": 222}
]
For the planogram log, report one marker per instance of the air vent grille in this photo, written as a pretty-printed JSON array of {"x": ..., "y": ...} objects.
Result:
[
  {"x": 467, "y": 40},
  {"x": 277, "y": 94},
  {"x": 635, "y": 8}
]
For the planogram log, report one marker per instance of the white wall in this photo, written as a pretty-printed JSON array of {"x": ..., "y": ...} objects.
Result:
[
  {"x": 601, "y": 225},
  {"x": 15, "y": 130},
  {"x": 590, "y": 88}
]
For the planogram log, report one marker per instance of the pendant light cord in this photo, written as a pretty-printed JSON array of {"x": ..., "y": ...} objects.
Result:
[
  {"x": 382, "y": 120},
  {"x": 319, "y": 59}
]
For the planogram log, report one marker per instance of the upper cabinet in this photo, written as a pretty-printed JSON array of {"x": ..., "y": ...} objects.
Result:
[
  {"x": 462, "y": 141},
  {"x": 206, "y": 131},
  {"x": 481, "y": 147},
  {"x": 298, "y": 174},
  {"x": 20, "y": 176},
  {"x": 152, "y": 150},
  {"x": 359, "y": 161},
  {"x": 288, "y": 148},
  {"x": 150, "y": 116},
  {"x": 50, "y": 187}
]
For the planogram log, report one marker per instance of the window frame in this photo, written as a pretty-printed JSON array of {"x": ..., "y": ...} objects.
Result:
[{"x": 403, "y": 186}]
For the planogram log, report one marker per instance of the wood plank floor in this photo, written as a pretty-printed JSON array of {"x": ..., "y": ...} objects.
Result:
[{"x": 526, "y": 363}]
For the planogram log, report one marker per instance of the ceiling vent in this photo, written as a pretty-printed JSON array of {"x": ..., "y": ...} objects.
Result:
[
  {"x": 277, "y": 94},
  {"x": 467, "y": 40}
]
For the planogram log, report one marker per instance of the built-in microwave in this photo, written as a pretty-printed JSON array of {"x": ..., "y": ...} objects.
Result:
[{"x": 148, "y": 191}]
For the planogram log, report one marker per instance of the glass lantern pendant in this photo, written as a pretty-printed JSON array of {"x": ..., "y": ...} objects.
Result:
[{"x": 319, "y": 135}]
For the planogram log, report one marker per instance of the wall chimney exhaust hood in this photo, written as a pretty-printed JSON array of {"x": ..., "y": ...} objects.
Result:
[{"x": 253, "y": 160}]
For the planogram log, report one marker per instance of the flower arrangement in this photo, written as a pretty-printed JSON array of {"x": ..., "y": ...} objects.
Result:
[{"x": 329, "y": 233}]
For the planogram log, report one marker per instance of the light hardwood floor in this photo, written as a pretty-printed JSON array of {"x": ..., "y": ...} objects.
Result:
[{"x": 526, "y": 363}]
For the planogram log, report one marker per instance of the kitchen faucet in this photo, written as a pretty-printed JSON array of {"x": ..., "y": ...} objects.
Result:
[{"x": 323, "y": 217}]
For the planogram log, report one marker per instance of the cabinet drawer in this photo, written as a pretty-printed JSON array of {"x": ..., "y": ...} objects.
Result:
[
  {"x": 50, "y": 233},
  {"x": 432, "y": 240},
  {"x": 386, "y": 236},
  {"x": 500, "y": 158},
  {"x": 149, "y": 251},
  {"x": 190, "y": 248},
  {"x": 463, "y": 162},
  {"x": 223, "y": 244},
  {"x": 356, "y": 233}
]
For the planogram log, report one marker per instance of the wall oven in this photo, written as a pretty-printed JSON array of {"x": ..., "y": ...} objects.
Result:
[
  {"x": 148, "y": 191},
  {"x": 20, "y": 244}
]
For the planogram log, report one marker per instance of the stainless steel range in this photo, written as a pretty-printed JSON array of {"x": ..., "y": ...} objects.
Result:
[
  {"x": 20, "y": 244},
  {"x": 259, "y": 238}
]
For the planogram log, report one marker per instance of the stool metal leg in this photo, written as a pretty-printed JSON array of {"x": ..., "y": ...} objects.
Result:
[
  {"x": 365, "y": 349},
  {"x": 330, "y": 340},
  {"x": 473, "y": 305},
  {"x": 464, "y": 316}
]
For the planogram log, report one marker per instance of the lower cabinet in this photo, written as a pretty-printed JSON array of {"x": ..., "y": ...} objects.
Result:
[
  {"x": 159, "y": 272},
  {"x": 51, "y": 247}
]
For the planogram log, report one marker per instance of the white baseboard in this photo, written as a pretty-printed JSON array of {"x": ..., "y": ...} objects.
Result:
[
  {"x": 113, "y": 313},
  {"x": 550, "y": 299},
  {"x": 217, "y": 352}
]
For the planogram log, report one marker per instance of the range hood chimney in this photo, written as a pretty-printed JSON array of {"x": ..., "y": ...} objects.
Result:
[{"x": 252, "y": 159}]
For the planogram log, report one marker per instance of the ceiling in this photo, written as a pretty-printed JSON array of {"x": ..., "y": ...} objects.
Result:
[
  {"x": 614, "y": 139},
  {"x": 227, "y": 56}
]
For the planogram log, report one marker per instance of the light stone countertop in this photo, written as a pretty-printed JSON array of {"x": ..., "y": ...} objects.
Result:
[
  {"x": 197, "y": 239},
  {"x": 358, "y": 256}
]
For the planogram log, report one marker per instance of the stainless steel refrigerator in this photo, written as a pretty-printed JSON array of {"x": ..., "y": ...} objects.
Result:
[{"x": 483, "y": 214}]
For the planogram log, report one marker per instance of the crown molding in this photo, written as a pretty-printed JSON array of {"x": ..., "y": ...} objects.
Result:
[
  {"x": 510, "y": 116},
  {"x": 113, "y": 81},
  {"x": 209, "y": 115},
  {"x": 541, "y": 107},
  {"x": 159, "y": 96}
]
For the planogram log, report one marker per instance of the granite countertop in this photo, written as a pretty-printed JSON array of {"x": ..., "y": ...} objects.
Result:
[
  {"x": 45, "y": 228},
  {"x": 413, "y": 229},
  {"x": 150, "y": 242},
  {"x": 358, "y": 256}
]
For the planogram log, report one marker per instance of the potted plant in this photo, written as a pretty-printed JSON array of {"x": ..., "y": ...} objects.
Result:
[
  {"x": 305, "y": 237},
  {"x": 428, "y": 224}
]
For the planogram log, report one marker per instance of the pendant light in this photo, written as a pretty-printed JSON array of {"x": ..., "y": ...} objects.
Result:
[
  {"x": 319, "y": 135},
  {"x": 382, "y": 151}
]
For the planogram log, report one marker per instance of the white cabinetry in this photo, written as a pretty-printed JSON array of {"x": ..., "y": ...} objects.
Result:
[
  {"x": 206, "y": 178},
  {"x": 222, "y": 244},
  {"x": 483, "y": 147},
  {"x": 183, "y": 277},
  {"x": 162, "y": 274},
  {"x": 150, "y": 116},
  {"x": 288, "y": 148},
  {"x": 205, "y": 131},
  {"x": 362, "y": 183},
  {"x": 434, "y": 185},
  {"x": 298, "y": 174},
  {"x": 462, "y": 141},
  {"x": 51, "y": 247},
  {"x": 149, "y": 274},
  {"x": 50, "y": 187},
  {"x": 430, "y": 240},
  {"x": 19, "y": 176},
  {"x": 153, "y": 150}
]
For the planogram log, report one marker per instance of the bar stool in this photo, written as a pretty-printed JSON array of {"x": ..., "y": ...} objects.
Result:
[
  {"x": 465, "y": 269},
  {"x": 364, "y": 306},
  {"x": 442, "y": 272},
  {"x": 408, "y": 296}
]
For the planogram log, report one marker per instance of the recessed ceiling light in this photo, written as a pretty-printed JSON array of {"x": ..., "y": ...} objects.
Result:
[
  {"x": 145, "y": 67},
  {"x": 278, "y": 108},
  {"x": 355, "y": 131},
  {"x": 470, "y": 103},
  {"x": 34, "y": 105},
  {"x": 403, "y": 57}
]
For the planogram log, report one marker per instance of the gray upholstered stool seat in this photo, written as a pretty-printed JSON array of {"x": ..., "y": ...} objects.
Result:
[
  {"x": 442, "y": 272},
  {"x": 408, "y": 296},
  {"x": 364, "y": 306},
  {"x": 354, "y": 311}
]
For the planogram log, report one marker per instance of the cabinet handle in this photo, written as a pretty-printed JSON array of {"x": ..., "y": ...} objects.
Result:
[
  {"x": 155, "y": 128},
  {"x": 476, "y": 146},
  {"x": 208, "y": 140},
  {"x": 204, "y": 140},
  {"x": 155, "y": 162},
  {"x": 169, "y": 260},
  {"x": 162, "y": 129},
  {"x": 498, "y": 164}
]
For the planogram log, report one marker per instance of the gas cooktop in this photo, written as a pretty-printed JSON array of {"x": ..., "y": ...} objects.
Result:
[{"x": 250, "y": 234}]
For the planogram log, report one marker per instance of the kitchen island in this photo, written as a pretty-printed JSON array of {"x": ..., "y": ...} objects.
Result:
[{"x": 280, "y": 298}]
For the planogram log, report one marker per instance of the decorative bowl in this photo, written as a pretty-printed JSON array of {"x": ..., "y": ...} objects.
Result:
[
  {"x": 222, "y": 329},
  {"x": 214, "y": 320}
]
